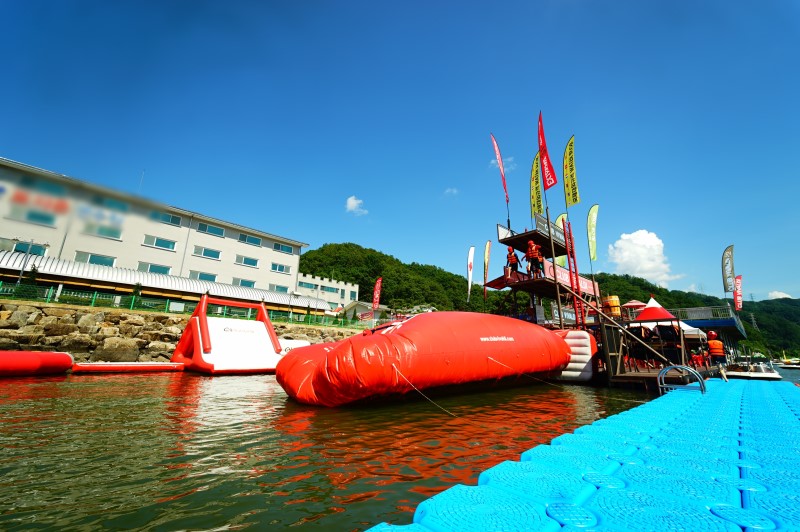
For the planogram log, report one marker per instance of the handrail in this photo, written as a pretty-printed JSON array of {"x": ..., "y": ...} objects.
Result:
[{"x": 663, "y": 386}]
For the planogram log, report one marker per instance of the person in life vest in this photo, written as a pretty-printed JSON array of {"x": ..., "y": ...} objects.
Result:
[
  {"x": 512, "y": 262},
  {"x": 534, "y": 258},
  {"x": 716, "y": 349}
]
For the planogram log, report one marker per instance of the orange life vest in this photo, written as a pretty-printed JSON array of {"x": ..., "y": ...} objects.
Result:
[
  {"x": 715, "y": 348},
  {"x": 512, "y": 258}
]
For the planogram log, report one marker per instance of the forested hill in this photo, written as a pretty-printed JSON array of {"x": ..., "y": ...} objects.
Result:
[{"x": 407, "y": 285}]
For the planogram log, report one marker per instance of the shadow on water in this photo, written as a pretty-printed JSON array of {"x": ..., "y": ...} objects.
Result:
[{"x": 183, "y": 451}]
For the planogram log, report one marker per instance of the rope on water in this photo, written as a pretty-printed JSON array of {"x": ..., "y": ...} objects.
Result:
[
  {"x": 528, "y": 374},
  {"x": 558, "y": 385},
  {"x": 434, "y": 403}
]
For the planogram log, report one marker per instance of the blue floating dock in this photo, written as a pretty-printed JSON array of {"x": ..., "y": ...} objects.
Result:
[{"x": 726, "y": 460}]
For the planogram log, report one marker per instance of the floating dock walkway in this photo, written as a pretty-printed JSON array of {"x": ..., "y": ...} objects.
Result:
[{"x": 726, "y": 460}]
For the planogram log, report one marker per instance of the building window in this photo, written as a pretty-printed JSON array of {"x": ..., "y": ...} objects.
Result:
[
  {"x": 163, "y": 243},
  {"x": 304, "y": 284},
  {"x": 244, "y": 282},
  {"x": 283, "y": 248},
  {"x": 24, "y": 214},
  {"x": 165, "y": 217},
  {"x": 330, "y": 289},
  {"x": 32, "y": 249},
  {"x": 280, "y": 268},
  {"x": 279, "y": 288},
  {"x": 203, "y": 276},
  {"x": 249, "y": 239},
  {"x": 246, "y": 261},
  {"x": 52, "y": 189},
  {"x": 110, "y": 203},
  {"x": 107, "y": 231},
  {"x": 153, "y": 268},
  {"x": 211, "y": 229},
  {"x": 94, "y": 258},
  {"x": 352, "y": 295},
  {"x": 208, "y": 253}
]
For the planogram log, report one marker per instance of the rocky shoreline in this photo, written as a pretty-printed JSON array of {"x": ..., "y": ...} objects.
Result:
[{"x": 111, "y": 335}]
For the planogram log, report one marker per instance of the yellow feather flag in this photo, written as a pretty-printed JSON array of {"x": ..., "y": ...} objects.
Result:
[
  {"x": 591, "y": 231},
  {"x": 570, "y": 179},
  {"x": 562, "y": 260},
  {"x": 536, "y": 188}
]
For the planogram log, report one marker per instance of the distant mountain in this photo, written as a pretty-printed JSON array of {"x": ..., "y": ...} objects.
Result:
[{"x": 407, "y": 285}]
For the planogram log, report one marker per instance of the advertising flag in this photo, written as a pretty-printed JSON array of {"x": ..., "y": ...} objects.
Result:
[
  {"x": 500, "y": 165},
  {"x": 486, "y": 266},
  {"x": 376, "y": 294},
  {"x": 737, "y": 293},
  {"x": 536, "y": 188},
  {"x": 591, "y": 231},
  {"x": 570, "y": 180},
  {"x": 728, "y": 274},
  {"x": 470, "y": 256},
  {"x": 562, "y": 260},
  {"x": 548, "y": 172}
]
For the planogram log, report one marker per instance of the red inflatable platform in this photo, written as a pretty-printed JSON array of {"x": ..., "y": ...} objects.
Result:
[
  {"x": 428, "y": 350},
  {"x": 27, "y": 363},
  {"x": 125, "y": 367}
]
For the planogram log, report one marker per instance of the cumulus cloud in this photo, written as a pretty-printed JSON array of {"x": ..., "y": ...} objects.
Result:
[
  {"x": 775, "y": 294},
  {"x": 354, "y": 205},
  {"x": 641, "y": 254},
  {"x": 450, "y": 191},
  {"x": 508, "y": 164}
]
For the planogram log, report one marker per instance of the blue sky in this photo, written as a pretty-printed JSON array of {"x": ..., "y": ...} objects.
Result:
[{"x": 369, "y": 122}]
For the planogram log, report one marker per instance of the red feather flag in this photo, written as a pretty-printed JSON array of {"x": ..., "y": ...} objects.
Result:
[
  {"x": 376, "y": 293},
  {"x": 548, "y": 172},
  {"x": 500, "y": 164}
]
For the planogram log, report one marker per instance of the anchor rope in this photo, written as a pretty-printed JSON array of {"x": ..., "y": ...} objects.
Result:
[
  {"x": 557, "y": 385},
  {"x": 434, "y": 403}
]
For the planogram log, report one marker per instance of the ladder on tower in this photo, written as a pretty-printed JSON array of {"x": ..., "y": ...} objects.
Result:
[{"x": 574, "y": 282}]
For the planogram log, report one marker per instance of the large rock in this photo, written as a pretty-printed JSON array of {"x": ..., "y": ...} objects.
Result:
[
  {"x": 157, "y": 351},
  {"x": 58, "y": 311},
  {"x": 7, "y": 344},
  {"x": 116, "y": 350},
  {"x": 59, "y": 329},
  {"x": 89, "y": 323},
  {"x": 78, "y": 343},
  {"x": 19, "y": 317}
]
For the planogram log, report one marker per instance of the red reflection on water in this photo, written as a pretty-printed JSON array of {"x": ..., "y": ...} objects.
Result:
[{"x": 422, "y": 453}]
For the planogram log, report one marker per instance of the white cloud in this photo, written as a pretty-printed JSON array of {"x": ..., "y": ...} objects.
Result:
[
  {"x": 354, "y": 205},
  {"x": 451, "y": 191},
  {"x": 641, "y": 254},
  {"x": 775, "y": 294},
  {"x": 508, "y": 164}
]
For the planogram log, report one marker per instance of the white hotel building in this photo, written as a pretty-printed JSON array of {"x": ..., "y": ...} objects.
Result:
[{"x": 48, "y": 214}]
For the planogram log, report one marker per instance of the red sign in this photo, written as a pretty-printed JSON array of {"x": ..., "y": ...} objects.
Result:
[
  {"x": 737, "y": 293},
  {"x": 376, "y": 294}
]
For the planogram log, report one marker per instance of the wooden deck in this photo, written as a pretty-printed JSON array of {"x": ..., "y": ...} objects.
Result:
[{"x": 647, "y": 378}]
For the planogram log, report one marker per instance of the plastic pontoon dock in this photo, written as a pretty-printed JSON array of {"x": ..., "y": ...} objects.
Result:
[{"x": 726, "y": 460}]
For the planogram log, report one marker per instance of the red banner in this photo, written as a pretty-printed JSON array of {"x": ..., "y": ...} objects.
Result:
[
  {"x": 737, "y": 293},
  {"x": 364, "y": 316},
  {"x": 376, "y": 294},
  {"x": 486, "y": 266},
  {"x": 548, "y": 172},
  {"x": 500, "y": 164}
]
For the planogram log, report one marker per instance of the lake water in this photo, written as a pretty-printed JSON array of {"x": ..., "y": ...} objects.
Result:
[{"x": 178, "y": 451}]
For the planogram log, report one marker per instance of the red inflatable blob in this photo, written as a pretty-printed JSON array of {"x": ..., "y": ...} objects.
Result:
[{"x": 425, "y": 351}]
